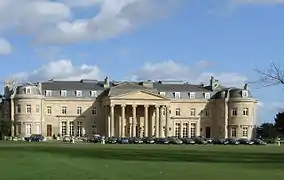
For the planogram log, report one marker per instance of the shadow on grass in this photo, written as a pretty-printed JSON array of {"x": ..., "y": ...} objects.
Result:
[{"x": 170, "y": 155}]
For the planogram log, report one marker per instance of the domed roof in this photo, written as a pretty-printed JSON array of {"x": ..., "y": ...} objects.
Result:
[
  {"x": 231, "y": 93},
  {"x": 28, "y": 89}
]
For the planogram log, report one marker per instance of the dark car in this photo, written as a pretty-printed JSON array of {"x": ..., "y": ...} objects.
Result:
[
  {"x": 163, "y": 141},
  {"x": 111, "y": 140},
  {"x": 188, "y": 141},
  {"x": 221, "y": 141},
  {"x": 149, "y": 140},
  {"x": 258, "y": 142},
  {"x": 246, "y": 141},
  {"x": 35, "y": 138},
  {"x": 233, "y": 141},
  {"x": 199, "y": 140},
  {"x": 123, "y": 141}
]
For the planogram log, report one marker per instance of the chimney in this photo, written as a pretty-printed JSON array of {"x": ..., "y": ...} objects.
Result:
[
  {"x": 246, "y": 86},
  {"x": 107, "y": 84}
]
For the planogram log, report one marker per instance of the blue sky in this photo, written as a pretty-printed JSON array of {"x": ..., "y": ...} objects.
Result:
[{"x": 144, "y": 39}]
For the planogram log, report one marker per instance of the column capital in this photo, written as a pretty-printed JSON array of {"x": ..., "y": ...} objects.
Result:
[
  {"x": 112, "y": 105},
  {"x": 157, "y": 106},
  {"x": 134, "y": 105},
  {"x": 123, "y": 105},
  {"x": 146, "y": 105}
]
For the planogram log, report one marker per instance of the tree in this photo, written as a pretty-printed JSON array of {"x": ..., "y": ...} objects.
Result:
[
  {"x": 267, "y": 130},
  {"x": 279, "y": 122},
  {"x": 273, "y": 75}
]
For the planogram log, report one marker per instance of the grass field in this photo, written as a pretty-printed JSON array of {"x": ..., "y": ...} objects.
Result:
[{"x": 46, "y": 161}]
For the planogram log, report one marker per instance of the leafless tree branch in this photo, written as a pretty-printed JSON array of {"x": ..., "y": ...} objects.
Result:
[{"x": 272, "y": 76}]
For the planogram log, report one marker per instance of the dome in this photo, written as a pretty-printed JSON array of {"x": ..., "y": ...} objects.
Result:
[
  {"x": 231, "y": 93},
  {"x": 28, "y": 89}
]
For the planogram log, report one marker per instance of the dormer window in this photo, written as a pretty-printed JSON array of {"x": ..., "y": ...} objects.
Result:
[
  {"x": 93, "y": 93},
  {"x": 28, "y": 90},
  {"x": 162, "y": 93},
  {"x": 192, "y": 95},
  {"x": 63, "y": 93},
  {"x": 207, "y": 95},
  {"x": 176, "y": 94},
  {"x": 244, "y": 93},
  {"x": 78, "y": 93},
  {"x": 48, "y": 93}
]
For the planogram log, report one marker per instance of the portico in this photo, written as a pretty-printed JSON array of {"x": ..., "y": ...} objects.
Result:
[{"x": 137, "y": 114}]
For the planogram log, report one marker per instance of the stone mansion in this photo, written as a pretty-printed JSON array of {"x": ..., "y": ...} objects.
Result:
[{"x": 130, "y": 109}]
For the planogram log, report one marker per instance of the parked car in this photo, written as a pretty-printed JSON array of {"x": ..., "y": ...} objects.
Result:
[
  {"x": 123, "y": 141},
  {"x": 66, "y": 139},
  {"x": 35, "y": 138},
  {"x": 258, "y": 142},
  {"x": 187, "y": 141},
  {"x": 233, "y": 141},
  {"x": 246, "y": 141},
  {"x": 149, "y": 140},
  {"x": 174, "y": 140},
  {"x": 221, "y": 141}
]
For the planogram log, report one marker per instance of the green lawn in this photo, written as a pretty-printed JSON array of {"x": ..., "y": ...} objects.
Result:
[{"x": 48, "y": 161}]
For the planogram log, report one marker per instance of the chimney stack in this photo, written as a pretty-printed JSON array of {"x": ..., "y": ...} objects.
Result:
[{"x": 107, "y": 83}]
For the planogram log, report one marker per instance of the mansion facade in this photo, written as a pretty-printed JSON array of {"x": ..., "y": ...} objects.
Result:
[{"x": 130, "y": 109}]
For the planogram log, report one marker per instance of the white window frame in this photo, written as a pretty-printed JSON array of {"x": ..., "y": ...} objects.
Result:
[
  {"x": 47, "y": 110},
  {"x": 176, "y": 94},
  {"x": 94, "y": 110},
  {"x": 63, "y": 93},
  {"x": 94, "y": 94},
  {"x": 28, "y": 90},
  {"x": 162, "y": 93},
  {"x": 234, "y": 110},
  {"x": 192, "y": 95},
  {"x": 79, "y": 93},
  {"x": 245, "y": 132},
  {"x": 63, "y": 107},
  {"x": 79, "y": 110},
  {"x": 233, "y": 132},
  {"x": 37, "y": 108},
  {"x": 48, "y": 93},
  {"x": 207, "y": 95},
  {"x": 244, "y": 93},
  {"x": 178, "y": 112},
  {"x": 245, "y": 111},
  {"x": 28, "y": 129},
  {"x": 28, "y": 106},
  {"x": 192, "y": 112}
]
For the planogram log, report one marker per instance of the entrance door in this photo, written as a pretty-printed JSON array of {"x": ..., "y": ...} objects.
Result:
[
  {"x": 28, "y": 129},
  {"x": 208, "y": 132},
  {"x": 49, "y": 130}
]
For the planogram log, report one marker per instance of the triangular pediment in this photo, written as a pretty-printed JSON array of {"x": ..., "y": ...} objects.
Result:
[{"x": 141, "y": 95}]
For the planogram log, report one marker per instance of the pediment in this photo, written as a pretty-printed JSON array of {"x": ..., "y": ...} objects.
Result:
[{"x": 141, "y": 95}]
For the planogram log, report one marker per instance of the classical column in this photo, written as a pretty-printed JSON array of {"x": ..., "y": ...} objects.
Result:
[
  {"x": 67, "y": 128},
  {"x": 123, "y": 120},
  {"x": 161, "y": 124},
  {"x": 181, "y": 129},
  {"x": 189, "y": 130},
  {"x": 198, "y": 128},
  {"x": 157, "y": 122},
  {"x": 108, "y": 127},
  {"x": 146, "y": 120},
  {"x": 134, "y": 120},
  {"x": 112, "y": 120},
  {"x": 167, "y": 121}
]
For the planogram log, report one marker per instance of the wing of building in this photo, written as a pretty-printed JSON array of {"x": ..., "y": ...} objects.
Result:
[{"x": 130, "y": 109}]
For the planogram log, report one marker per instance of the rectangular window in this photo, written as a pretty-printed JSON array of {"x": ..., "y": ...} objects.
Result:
[
  {"x": 94, "y": 110},
  {"x": 63, "y": 128},
  {"x": 193, "y": 130},
  {"x": 207, "y": 95},
  {"x": 185, "y": 130},
  {"x": 19, "y": 129},
  {"x": 64, "y": 110},
  {"x": 71, "y": 128},
  {"x": 245, "y": 131},
  {"x": 37, "y": 109},
  {"x": 78, "y": 93},
  {"x": 207, "y": 113},
  {"x": 63, "y": 93},
  {"x": 234, "y": 132},
  {"x": 177, "y": 111},
  {"x": 177, "y": 130},
  {"x": 245, "y": 111},
  {"x": 28, "y": 90},
  {"x": 38, "y": 129},
  {"x": 234, "y": 112},
  {"x": 48, "y": 110},
  {"x": 79, "y": 110},
  {"x": 28, "y": 129},
  {"x": 18, "y": 108},
  {"x": 29, "y": 109},
  {"x": 244, "y": 93},
  {"x": 192, "y": 95},
  {"x": 192, "y": 112},
  {"x": 79, "y": 129},
  {"x": 93, "y": 93},
  {"x": 176, "y": 94},
  {"x": 48, "y": 93}
]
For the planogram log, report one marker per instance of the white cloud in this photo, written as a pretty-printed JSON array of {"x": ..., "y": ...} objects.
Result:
[
  {"x": 60, "y": 70},
  {"x": 56, "y": 22},
  {"x": 170, "y": 70},
  {"x": 5, "y": 46}
]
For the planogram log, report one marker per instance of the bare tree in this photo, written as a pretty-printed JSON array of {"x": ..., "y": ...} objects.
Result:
[{"x": 271, "y": 76}]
